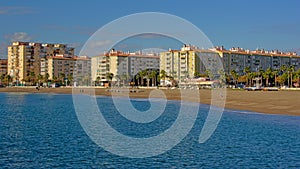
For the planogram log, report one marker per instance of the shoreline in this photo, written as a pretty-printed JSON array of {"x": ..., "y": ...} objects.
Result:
[{"x": 267, "y": 102}]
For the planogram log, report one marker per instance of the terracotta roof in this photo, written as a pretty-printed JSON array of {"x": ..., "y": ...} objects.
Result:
[{"x": 262, "y": 54}]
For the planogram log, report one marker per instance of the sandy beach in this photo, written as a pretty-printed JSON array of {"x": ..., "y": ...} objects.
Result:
[{"x": 269, "y": 102}]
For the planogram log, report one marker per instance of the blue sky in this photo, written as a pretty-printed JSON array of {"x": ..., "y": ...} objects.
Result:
[{"x": 249, "y": 24}]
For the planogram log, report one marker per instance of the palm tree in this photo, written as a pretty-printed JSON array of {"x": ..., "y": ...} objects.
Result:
[
  {"x": 46, "y": 78},
  {"x": 251, "y": 75},
  {"x": 39, "y": 78},
  {"x": 109, "y": 77},
  {"x": 260, "y": 75},
  {"x": 291, "y": 70},
  {"x": 142, "y": 75},
  {"x": 62, "y": 76},
  {"x": 297, "y": 76},
  {"x": 54, "y": 79},
  {"x": 267, "y": 75},
  {"x": 163, "y": 75},
  {"x": 234, "y": 75},
  {"x": 137, "y": 77},
  {"x": 275, "y": 73},
  {"x": 7, "y": 78},
  {"x": 283, "y": 69},
  {"x": 153, "y": 76},
  {"x": 98, "y": 80},
  {"x": 247, "y": 72},
  {"x": 32, "y": 77},
  {"x": 147, "y": 75},
  {"x": 1, "y": 78},
  {"x": 70, "y": 78}
]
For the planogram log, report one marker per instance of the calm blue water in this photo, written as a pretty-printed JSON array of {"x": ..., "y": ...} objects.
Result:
[{"x": 42, "y": 131}]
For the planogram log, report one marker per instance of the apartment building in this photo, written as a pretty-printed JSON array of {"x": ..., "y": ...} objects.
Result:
[
  {"x": 3, "y": 67},
  {"x": 24, "y": 58},
  {"x": 122, "y": 64},
  {"x": 238, "y": 59},
  {"x": 190, "y": 60},
  {"x": 187, "y": 62},
  {"x": 60, "y": 66}
]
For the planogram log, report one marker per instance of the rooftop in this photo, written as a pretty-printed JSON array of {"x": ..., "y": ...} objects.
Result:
[{"x": 129, "y": 54}]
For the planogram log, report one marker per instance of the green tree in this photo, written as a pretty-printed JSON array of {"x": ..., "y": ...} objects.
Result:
[
  {"x": 153, "y": 76},
  {"x": 275, "y": 74},
  {"x": 62, "y": 76},
  {"x": 32, "y": 77},
  {"x": 290, "y": 70},
  {"x": 39, "y": 78},
  {"x": 283, "y": 74},
  {"x": 297, "y": 77},
  {"x": 147, "y": 76},
  {"x": 2, "y": 76},
  {"x": 70, "y": 78},
  {"x": 247, "y": 72},
  {"x": 109, "y": 77},
  {"x": 251, "y": 75},
  {"x": 163, "y": 75},
  {"x": 7, "y": 79},
  {"x": 260, "y": 74},
  {"x": 98, "y": 80},
  {"x": 235, "y": 76},
  {"x": 268, "y": 74},
  {"x": 46, "y": 78}
]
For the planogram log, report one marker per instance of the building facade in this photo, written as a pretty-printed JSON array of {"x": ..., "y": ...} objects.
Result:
[
  {"x": 238, "y": 59},
  {"x": 24, "y": 58},
  {"x": 190, "y": 61},
  {"x": 3, "y": 67},
  {"x": 121, "y": 64},
  {"x": 74, "y": 68}
]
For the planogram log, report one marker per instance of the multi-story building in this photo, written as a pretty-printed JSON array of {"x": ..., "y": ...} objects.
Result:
[
  {"x": 24, "y": 58},
  {"x": 122, "y": 64},
  {"x": 82, "y": 70},
  {"x": 238, "y": 59},
  {"x": 3, "y": 67},
  {"x": 180, "y": 64},
  {"x": 63, "y": 66},
  {"x": 189, "y": 61}
]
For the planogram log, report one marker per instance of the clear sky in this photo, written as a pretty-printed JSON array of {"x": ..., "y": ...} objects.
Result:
[{"x": 248, "y": 24}]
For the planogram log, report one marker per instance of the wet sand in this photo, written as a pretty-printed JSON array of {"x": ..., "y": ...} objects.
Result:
[{"x": 269, "y": 102}]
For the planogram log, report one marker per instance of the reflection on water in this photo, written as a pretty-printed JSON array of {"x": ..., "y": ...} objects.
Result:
[{"x": 42, "y": 131}]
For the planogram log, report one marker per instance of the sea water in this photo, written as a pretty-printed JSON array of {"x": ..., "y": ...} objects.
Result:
[{"x": 43, "y": 131}]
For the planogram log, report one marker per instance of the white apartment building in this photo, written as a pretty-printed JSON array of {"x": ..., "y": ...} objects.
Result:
[
  {"x": 121, "y": 64},
  {"x": 189, "y": 61}
]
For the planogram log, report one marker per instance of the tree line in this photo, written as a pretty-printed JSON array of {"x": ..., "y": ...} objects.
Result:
[
  {"x": 284, "y": 76},
  {"x": 32, "y": 79}
]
